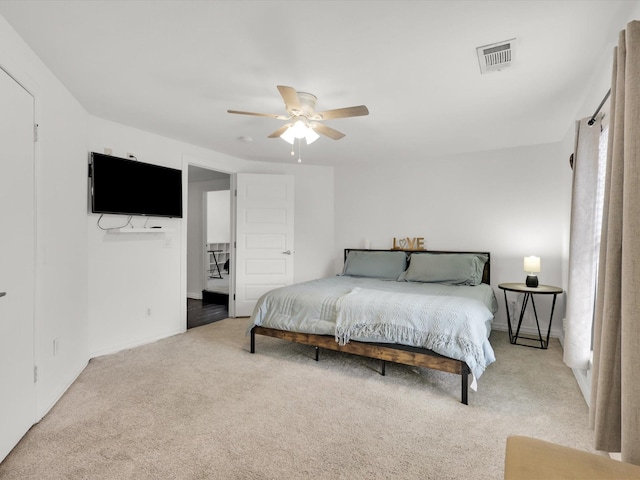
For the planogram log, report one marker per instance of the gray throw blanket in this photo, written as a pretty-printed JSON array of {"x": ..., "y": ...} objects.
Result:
[{"x": 451, "y": 326}]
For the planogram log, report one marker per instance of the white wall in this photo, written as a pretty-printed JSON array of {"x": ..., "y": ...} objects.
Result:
[
  {"x": 504, "y": 202},
  {"x": 134, "y": 279},
  {"x": 196, "y": 265},
  {"x": 218, "y": 218},
  {"x": 61, "y": 259},
  {"x": 138, "y": 282}
]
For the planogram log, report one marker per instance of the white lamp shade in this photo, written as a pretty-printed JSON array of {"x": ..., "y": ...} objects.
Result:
[
  {"x": 299, "y": 129},
  {"x": 311, "y": 136},
  {"x": 288, "y": 136},
  {"x": 532, "y": 264}
]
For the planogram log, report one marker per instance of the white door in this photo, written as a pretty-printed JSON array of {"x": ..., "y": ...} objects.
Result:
[
  {"x": 264, "y": 237},
  {"x": 17, "y": 263}
]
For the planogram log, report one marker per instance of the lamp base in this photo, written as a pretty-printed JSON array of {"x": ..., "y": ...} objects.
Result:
[{"x": 532, "y": 281}]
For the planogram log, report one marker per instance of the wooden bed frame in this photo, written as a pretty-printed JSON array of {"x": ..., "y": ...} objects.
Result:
[{"x": 387, "y": 352}]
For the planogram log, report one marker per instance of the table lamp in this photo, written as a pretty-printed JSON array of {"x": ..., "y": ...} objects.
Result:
[{"x": 532, "y": 266}]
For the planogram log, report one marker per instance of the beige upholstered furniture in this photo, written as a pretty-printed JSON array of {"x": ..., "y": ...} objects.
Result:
[{"x": 528, "y": 458}]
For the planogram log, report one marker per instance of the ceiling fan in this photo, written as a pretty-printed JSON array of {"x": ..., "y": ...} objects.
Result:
[{"x": 305, "y": 120}]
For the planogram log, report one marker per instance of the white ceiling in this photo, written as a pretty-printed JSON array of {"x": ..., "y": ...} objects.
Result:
[{"x": 175, "y": 67}]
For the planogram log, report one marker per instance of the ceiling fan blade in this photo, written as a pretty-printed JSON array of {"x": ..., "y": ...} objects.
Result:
[
  {"x": 280, "y": 131},
  {"x": 290, "y": 97},
  {"x": 343, "y": 112},
  {"x": 327, "y": 131},
  {"x": 270, "y": 115}
]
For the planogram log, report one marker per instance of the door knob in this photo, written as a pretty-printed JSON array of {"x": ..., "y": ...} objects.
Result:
[
  {"x": 287, "y": 252},
  {"x": 2, "y": 294}
]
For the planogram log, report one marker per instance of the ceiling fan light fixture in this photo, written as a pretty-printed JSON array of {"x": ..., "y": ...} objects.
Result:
[
  {"x": 300, "y": 107},
  {"x": 299, "y": 129},
  {"x": 311, "y": 136},
  {"x": 288, "y": 136}
]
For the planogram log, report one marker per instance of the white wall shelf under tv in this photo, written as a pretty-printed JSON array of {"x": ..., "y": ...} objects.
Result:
[{"x": 140, "y": 230}]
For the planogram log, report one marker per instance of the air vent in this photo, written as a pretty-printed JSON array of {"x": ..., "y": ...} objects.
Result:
[{"x": 497, "y": 56}]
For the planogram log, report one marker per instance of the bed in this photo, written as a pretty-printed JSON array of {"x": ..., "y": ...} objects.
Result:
[{"x": 430, "y": 309}]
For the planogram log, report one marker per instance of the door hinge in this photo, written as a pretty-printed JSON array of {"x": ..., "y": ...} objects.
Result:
[
  {"x": 234, "y": 244},
  {"x": 234, "y": 296},
  {"x": 235, "y": 192},
  {"x": 35, "y": 132},
  {"x": 35, "y": 373}
]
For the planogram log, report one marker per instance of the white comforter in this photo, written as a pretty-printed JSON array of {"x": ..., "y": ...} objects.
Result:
[{"x": 450, "y": 320}]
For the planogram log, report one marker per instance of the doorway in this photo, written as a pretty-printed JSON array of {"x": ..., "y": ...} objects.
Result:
[{"x": 208, "y": 246}]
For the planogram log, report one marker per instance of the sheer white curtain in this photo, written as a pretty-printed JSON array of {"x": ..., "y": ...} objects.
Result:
[{"x": 586, "y": 220}]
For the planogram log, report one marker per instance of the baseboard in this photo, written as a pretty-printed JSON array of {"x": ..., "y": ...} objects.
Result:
[
  {"x": 194, "y": 295},
  {"x": 583, "y": 377},
  {"x": 41, "y": 412},
  {"x": 527, "y": 330},
  {"x": 136, "y": 343}
]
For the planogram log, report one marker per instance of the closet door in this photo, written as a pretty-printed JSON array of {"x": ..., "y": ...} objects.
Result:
[{"x": 17, "y": 263}]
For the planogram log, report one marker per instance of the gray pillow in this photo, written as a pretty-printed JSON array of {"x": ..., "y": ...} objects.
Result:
[
  {"x": 383, "y": 265},
  {"x": 451, "y": 268}
]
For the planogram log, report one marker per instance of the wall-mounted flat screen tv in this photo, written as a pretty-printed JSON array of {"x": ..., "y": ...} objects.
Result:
[{"x": 128, "y": 187}]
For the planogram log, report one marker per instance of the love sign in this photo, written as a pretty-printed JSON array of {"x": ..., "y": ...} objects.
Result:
[{"x": 415, "y": 243}]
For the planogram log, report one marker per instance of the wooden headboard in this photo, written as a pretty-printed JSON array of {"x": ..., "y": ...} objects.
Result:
[{"x": 486, "y": 274}]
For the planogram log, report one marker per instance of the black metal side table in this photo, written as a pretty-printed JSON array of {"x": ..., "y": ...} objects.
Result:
[{"x": 529, "y": 292}]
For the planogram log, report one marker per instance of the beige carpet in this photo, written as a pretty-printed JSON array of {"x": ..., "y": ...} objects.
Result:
[{"x": 200, "y": 406}]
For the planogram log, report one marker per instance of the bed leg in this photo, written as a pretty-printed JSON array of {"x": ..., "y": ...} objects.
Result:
[
  {"x": 384, "y": 368},
  {"x": 317, "y": 353},
  {"x": 465, "y": 385},
  {"x": 253, "y": 341}
]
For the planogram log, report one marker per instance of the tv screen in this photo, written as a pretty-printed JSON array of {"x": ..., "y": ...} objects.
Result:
[{"x": 128, "y": 187}]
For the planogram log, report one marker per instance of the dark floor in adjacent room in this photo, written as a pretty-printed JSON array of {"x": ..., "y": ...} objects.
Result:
[{"x": 199, "y": 313}]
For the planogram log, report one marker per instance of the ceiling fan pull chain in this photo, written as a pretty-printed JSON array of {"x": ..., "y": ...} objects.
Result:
[{"x": 299, "y": 151}]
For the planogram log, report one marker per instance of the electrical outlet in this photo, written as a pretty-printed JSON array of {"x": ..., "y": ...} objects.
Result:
[
  {"x": 148, "y": 311},
  {"x": 56, "y": 346},
  {"x": 108, "y": 151}
]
